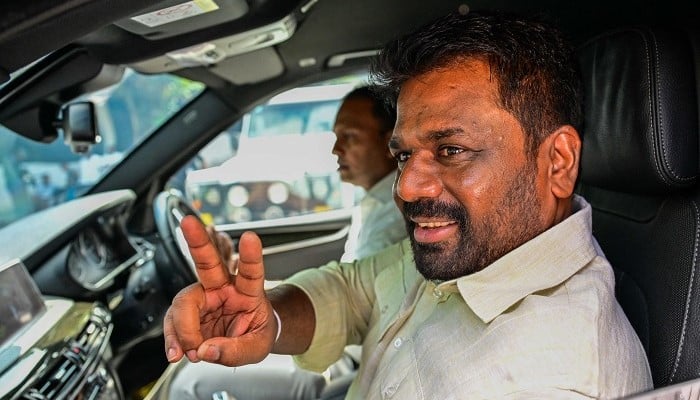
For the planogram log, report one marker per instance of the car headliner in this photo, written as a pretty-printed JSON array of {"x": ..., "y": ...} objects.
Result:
[{"x": 30, "y": 29}]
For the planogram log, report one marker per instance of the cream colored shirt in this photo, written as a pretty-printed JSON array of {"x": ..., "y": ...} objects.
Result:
[
  {"x": 376, "y": 222},
  {"x": 541, "y": 322}
]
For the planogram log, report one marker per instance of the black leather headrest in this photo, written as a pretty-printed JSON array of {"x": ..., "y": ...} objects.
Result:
[{"x": 640, "y": 132}]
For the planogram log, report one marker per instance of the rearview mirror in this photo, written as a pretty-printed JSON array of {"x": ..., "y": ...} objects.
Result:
[{"x": 79, "y": 124}]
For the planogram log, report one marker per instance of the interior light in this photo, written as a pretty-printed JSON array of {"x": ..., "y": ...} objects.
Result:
[{"x": 201, "y": 54}]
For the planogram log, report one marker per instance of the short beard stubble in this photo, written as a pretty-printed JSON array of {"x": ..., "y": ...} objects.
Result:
[{"x": 480, "y": 242}]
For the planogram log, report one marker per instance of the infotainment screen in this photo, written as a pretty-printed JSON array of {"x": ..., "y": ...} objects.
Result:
[{"x": 20, "y": 299}]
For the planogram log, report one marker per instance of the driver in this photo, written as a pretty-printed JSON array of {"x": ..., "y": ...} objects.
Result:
[{"x": 501, "y": 291}]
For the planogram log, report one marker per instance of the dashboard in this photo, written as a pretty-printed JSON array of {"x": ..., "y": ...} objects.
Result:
[
  {"x": 37, "y": 237},
  {"x": 102, "y": 251},
  {"x": 81, "y": 250}
]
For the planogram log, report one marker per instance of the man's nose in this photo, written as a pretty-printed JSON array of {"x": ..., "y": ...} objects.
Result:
[
  {"x": 418, "y": 179},
  {"x": 336, "y": 148}
]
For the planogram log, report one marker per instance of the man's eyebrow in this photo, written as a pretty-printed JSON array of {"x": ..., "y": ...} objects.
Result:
[
  {"x": 432, "y": 136},
  {"x": 444, "y": 133}
]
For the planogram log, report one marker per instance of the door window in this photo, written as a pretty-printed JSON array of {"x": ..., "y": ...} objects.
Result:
[{"x": 276, "y": 162}]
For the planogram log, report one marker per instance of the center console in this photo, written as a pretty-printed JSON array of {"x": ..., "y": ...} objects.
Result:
[{"x": 52, "y": 348}]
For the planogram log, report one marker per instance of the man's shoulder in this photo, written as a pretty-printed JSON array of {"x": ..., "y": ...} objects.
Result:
[
  {"x": 396, "y": 254},
  {"x": 587, "y": 294}
]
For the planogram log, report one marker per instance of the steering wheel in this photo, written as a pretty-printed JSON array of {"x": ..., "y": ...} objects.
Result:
[{"x": 169, "y": 207}]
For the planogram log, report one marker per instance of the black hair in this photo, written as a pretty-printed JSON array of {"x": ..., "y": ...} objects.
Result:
[
  {"x": 382, "y": 110},
  {"x": 534, "y": 65}
]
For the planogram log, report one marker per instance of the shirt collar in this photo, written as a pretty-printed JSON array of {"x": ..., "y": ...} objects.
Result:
[
  {"x": 543, "y": 262},
  {"x": 382, "y": 190}
]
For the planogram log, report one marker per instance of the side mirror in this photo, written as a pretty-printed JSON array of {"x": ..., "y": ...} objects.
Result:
[{"x": 78, "y": 122}]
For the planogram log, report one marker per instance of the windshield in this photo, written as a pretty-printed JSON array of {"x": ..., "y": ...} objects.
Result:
[{"x": 34, "y": 175}]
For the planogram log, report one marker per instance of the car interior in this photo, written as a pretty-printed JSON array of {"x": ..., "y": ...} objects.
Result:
[
  {"x": 104, "y": 253},
  {"x": 639, "y": 171}
]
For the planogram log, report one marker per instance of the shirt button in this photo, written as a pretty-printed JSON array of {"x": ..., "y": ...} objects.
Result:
[
  {"x": 437, "y": 293},
  {"x": 398, "y": 342},
  {"x": 389, "y": 391}
]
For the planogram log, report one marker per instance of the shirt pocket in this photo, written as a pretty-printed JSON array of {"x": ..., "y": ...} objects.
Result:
[{"x": 398, "y": 379}]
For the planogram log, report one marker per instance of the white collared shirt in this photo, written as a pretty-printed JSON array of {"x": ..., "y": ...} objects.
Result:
[
  {"x": 376, "y": 222},
  {"x": 541, "y": 322}
]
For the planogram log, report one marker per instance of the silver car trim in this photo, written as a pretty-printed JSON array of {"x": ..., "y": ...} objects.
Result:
[{"x": 302, "y": 244}]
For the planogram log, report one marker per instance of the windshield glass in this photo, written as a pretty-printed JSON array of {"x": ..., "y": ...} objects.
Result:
[{"x": 34, "y": 175}]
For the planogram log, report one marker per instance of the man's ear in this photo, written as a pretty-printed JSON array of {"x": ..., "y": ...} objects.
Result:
[{"x": 564, "y": 156}]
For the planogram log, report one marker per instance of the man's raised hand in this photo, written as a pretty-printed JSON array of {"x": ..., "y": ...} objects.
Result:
[{"x": 223, "y": 318}]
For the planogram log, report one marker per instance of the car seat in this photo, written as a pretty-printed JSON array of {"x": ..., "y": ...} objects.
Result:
[{"x": 639, "y": 171}]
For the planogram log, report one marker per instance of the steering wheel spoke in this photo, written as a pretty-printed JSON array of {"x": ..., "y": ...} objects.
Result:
[{"x": 169, "y": 208}]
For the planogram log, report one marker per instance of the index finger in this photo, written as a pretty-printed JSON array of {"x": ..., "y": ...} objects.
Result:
[{"x": 212, "y": 273}]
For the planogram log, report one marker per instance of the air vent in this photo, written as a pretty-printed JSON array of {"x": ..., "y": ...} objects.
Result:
[{"x": 75, "y": 364}]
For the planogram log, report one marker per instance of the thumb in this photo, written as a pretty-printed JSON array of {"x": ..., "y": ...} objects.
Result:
[{"x": 246, "y": 349}]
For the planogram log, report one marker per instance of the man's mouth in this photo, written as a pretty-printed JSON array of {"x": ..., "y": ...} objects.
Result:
[
  {"x": 433, "y": 224},
  {"x": 434, "y": 231}
]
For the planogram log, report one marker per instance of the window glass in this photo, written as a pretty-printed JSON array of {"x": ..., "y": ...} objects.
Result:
[
  {"x": 35, "y": 175},
  {"x": 275, "y": 162}
]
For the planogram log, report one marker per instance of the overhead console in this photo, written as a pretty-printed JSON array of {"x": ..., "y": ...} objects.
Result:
[{"x": 185, "y": 28}]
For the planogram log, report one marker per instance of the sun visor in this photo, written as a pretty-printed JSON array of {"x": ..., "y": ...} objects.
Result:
[
  {"x": 214, "y": 51},
  {"x": 251, "y": 67},
  {"x": 175, "y": 17}
]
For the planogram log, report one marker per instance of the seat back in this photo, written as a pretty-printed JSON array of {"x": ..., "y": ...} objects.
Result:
[{"x": 639, "y": 171}]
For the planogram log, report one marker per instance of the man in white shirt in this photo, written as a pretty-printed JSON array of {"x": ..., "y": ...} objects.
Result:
[{"x": 362, "y": 127}]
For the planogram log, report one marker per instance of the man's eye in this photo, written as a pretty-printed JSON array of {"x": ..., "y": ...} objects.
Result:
[{"x": 449, "y": 151}]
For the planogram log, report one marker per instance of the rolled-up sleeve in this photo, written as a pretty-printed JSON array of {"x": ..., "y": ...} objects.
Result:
[{"x": 343, "y": 296}]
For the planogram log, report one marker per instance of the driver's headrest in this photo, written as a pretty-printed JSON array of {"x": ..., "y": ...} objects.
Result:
[{"x": 640, "y": 132}]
